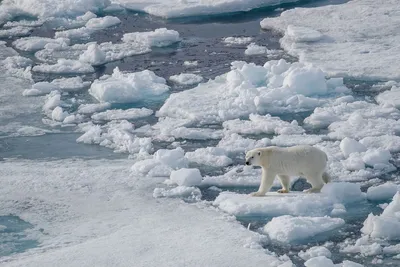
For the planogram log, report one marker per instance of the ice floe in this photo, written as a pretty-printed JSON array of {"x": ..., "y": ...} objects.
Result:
[
  {"x": 117, "y": 135},
  {"x": 289, "y": 229},
  {"x": 119, "y": 114},
  {"x": 170, "y": 9},
  {"x": 248, "y": 88},
  {"x": 64, "y": 66},
  {"x": 340, "y": 40},
  {"x": 237, "y": 40},
  {"x": 35, "y": 43},
  {"x": 382, "y": 192},
  {"x": 186, "y": 177},
  {"x": 128, "y": 87},
  {"x": 73, "y": 84},
  {"x": 186, "y": 79},
  {"x": 386, "y": 225},
  {"x": 295, "y": 203},
  {"x": 91, "y": 26}
]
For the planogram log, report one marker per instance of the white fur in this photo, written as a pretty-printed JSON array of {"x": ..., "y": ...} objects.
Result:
[{"x": 305, "y": 161}]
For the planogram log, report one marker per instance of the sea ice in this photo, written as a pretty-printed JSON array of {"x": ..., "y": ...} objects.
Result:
[
  {"x": 35, "y": 43},
  {"x": 170, "y": 9},
  {"x": 186, "y": 79},
  {"x": 211, "y": 156},
  {"x": 93, "y": 55},
  {"x": 258, "y": 124},
  {"x": 349, "y": 146},
  {"x": 248, "y": 88},
  {"x": 288, "y": 229},
  {"x": 93, "y": 108},
  {"x": 73, "y": 84},
  {"x": 64, "y": 66},
  {"x": 186, "y": 177},
  {"x": 340, "y": 40},
  {"x": 386, "y": 225},
  {"x": 186, "y": 192},
  {"x": 382, "y": 192},
  {"x": 128, "y": 87},
  {"x": 253, "y": 49},
  {"x": 162, "y": 163},
  {"x": 117, "y": 135},
  {"x": 390, "y": 98},
  {"x": 294, "y": 203},
  {"x": 315, "y": 252},
  {"x": 237, "y": 40},
  {"x": 157, "y": 38},
  {"x": 91, "y": 26},
  {"x": 119, "y": 114}
]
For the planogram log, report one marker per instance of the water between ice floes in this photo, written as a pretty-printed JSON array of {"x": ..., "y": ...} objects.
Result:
[{"x": 200, "y": 35}]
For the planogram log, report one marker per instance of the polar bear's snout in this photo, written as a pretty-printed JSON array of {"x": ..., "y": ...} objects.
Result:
[{"x": 247, "y": 162}]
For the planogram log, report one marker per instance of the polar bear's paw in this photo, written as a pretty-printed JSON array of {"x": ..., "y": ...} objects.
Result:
[
  {"x": 282, "y": 191},
  {"x": 257, "y": 194}
]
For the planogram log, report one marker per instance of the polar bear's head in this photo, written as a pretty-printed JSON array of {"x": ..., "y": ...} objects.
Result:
[{"x": 253, "y": 157}]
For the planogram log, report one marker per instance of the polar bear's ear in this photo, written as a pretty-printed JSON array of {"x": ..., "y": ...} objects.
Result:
[{"x": 259, "y": 153}]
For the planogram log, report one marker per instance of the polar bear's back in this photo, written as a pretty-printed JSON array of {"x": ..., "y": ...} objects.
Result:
[{"x": 297, "y": 159}]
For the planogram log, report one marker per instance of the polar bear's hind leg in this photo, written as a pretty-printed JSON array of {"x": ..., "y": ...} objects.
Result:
[{"x": 316, "y": 182}]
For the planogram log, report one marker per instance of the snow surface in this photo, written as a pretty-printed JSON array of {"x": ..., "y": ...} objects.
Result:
[
  {"x": 119, "y": 114},
  {"x": 73, "y": 84},
  {"x": 237, "y": 40},
  {"x": 382, "y": 192},
  {"x": 277, "y": 86},
  {"x": 170, "y": 8},
  {"x": 357, "y": 38},
  {"x": 186, "y": 79},
  {"x": 93, "y": 213},
  {"x": 289, "y": 229},
  {"x": 315, "y": 252},
  {"x": 64, "y": 66},
  {"x": 294, "y": 203},
  {"x": 128, "y": 87},
  {"x": 35, "y": 43},
  {"x": 186, "y": 177},
  {"x": 386, "y": 225}
]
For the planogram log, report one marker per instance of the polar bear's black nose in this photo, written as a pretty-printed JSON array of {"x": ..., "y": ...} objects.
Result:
[{"x": 247, "y": 163}]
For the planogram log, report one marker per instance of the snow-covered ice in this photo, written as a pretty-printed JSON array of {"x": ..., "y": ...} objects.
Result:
[
  {"x": 170, "y": 9},
  {"x": 117, "y": 135},
  {"x": 64, "y": 66},
  {"x": 237, "y": 40},
  {"x": 386, "y": 225},
  {"x": 128, "y": 87},
  {"x": 248, "y": 88},
  {"x": 157, "y": 38},
  {"x": 357, "y": 38},
  {"x": 382, "y": 192},
  {"x": 35, "y": 43},
  {"x": 91, "y": 26},
  {"x": 210, "y": 156},
  {"x": 288, "y": 229},
  {"x": 254, "y": 49},
  {"x": 315, "y": 252},
  {"x": 73, "y": 84},
  {"x": 92, "y": 212},
  {"x": 186, "y": 79},
  {"x": 119, "y": 114},
  {"x": 294, "y": 203},
  {"x": 390, "y": 98},
  {"x": 186, "y": 177}
]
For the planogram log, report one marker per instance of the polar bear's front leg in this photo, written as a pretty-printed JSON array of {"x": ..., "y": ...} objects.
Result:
[
  {"x": 285, "y": 182},
  {"x": 267, "y": 178}
]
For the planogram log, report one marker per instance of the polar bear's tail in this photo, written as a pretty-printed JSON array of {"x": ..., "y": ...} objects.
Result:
[{"x": 326, "y": 177}]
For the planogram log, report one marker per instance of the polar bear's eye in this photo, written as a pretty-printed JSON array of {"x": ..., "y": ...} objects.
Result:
[{"x": 252, "y": 157}]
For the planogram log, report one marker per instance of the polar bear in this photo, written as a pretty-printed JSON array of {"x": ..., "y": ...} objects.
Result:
[{"x": 302, "y": 160}]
